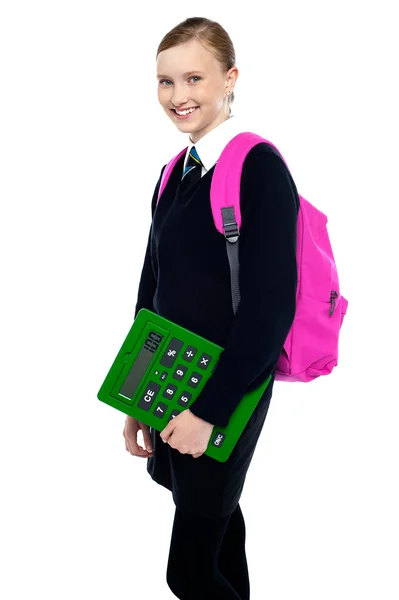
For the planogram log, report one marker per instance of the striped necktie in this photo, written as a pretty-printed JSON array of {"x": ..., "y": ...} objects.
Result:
[{"x": 192, "y": 172}]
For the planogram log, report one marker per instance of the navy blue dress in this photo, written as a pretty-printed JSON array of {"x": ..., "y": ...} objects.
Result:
[{"x": 186, "y": 279}]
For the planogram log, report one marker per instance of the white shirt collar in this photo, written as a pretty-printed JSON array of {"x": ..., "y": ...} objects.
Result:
[{"x": 211, "y": 145}]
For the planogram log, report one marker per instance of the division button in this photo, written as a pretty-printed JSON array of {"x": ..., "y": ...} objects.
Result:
[{"x": 189, "y": 353}]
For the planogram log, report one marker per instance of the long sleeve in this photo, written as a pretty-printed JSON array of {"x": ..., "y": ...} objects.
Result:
[
  {"x": 267, "y": 280},
  {"x": 148, "y": 282}
]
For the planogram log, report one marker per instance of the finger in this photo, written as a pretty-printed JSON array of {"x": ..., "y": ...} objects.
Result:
[
  {"x": 128, "y": 448},
  {"x": 167, "y": 432},
  {"x": 135, "y": 448},
  {"x": 147, "y": 440}
]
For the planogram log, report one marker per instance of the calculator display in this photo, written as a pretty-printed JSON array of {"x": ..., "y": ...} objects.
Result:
[{"x": 140, "y": 364}]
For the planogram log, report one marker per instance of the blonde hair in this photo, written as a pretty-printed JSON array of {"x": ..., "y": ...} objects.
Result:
[{"x": 211, "y": 35}]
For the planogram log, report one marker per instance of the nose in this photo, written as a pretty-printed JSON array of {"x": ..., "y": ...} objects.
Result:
[{"x": 179, "y": 95}]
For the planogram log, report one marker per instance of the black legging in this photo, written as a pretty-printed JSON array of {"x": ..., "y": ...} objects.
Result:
[{"x": 207, "y": 557}]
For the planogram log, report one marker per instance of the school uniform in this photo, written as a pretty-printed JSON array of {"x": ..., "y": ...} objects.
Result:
[{"x": 186, "y": 279}]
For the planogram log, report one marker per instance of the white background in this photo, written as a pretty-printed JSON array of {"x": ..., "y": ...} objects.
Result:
[{"x": 83, "y": 140}]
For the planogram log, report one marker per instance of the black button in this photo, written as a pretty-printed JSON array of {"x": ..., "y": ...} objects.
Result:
[
  {"x": 160, "y": 410},
  {"x": 173, "y": 414},
  {"x": 204, "y": 361},
  {"x": 194, "y": 380},
  {"x": 149, "y": 395},
  {"x": 184, "y": 399},
  {"x": 218, "y": 439},
  {"x": 169, "y": 391},
  {"x": 189, "y": 353},
  {"x": 179, "y": 372},
  {"x": 171, "y": 352}
]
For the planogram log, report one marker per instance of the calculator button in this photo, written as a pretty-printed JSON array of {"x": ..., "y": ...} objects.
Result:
[
  {"x": 170, "y": 391},
  {"x": 149, "y": 395},
  {"x": 189, "y": 353},
  {"x": 194, "y": 380},
  {"x": 160, "y": 409},
  {"x": 204, "y": 361},
  {"x": 184, "y": 399},
  {"x": 179, "y": 372},
  {"x": 173, "y": 414},
  {"x": 164, "y": 376},
  {"x": 218, "y": 439},
  {"x": 171, "y": 352}
]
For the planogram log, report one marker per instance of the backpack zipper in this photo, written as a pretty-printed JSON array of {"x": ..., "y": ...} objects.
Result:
[{"x": 333, "y": 296}]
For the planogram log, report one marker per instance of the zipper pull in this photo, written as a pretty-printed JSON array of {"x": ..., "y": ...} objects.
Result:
[{"x": 333, "y": 295}]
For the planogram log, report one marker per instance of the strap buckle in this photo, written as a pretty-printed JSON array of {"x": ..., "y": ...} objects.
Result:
[{"x": 231, "y": 232}]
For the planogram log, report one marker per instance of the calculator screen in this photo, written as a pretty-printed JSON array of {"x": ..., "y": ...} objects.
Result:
[{"x": 140, "y": 364}]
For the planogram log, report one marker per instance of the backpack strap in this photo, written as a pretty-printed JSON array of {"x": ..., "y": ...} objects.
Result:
[
  {"x": 225, "y": 199},
  {"x": 168, "y": 170}
]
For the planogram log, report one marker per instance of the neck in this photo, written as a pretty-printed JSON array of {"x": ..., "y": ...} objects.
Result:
[{"x": 196, "y": 136}]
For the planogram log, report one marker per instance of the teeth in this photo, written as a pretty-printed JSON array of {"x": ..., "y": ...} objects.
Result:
[{"x": 185, "y": 112}]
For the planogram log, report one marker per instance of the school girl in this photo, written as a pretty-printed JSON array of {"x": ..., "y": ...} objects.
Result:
[{"x": 186, "y": 278}]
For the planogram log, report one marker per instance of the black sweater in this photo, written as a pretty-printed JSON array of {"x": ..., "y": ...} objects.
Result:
[{"x": 186, "y": 276}]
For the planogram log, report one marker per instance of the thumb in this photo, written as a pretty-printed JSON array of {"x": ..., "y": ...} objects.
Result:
[
  {"x": 146, "y": 437},
  {"x": 167, "y": 432}
]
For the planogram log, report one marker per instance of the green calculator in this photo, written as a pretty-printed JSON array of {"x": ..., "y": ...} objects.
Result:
[{"x": 161, "y": 369}]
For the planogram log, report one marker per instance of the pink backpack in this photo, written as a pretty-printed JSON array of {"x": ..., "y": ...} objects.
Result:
[{"x": 311, "y": 346}]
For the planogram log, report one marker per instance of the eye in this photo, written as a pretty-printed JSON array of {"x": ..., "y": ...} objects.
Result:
[{"x": 192, "y": 77}]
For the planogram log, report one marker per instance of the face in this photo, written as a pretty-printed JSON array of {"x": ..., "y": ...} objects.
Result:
[{"x": 190, "y": 76}]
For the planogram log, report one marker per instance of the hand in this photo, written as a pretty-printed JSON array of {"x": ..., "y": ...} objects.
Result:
[
  {"x": 130, "y": 430},
  {"x": 187, "y": 433}
]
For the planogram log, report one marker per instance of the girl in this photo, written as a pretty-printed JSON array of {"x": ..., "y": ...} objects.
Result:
[{"x": 186, "y": 278}]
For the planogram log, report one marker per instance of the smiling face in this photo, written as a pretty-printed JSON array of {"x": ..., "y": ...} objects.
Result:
[{"x": 190, "y": 76}]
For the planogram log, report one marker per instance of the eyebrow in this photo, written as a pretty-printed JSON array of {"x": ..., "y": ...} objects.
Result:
[{"x": 184, "y": 74}]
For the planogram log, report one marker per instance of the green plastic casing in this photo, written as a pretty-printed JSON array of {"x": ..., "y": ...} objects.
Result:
[{"x": 158, "y": 392}]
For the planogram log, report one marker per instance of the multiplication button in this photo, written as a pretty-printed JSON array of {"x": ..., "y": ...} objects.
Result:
[
  {"x": 204, "y": 361},
  {"x": 194, "y": 380},
  {"x": 171, "y": 352}
]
